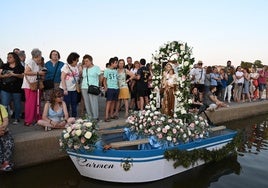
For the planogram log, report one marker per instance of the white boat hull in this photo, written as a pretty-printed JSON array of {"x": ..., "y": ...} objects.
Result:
[{"x": 135, "y": 166}]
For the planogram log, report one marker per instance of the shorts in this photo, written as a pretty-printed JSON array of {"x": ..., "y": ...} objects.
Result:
[
  {"x": 262, "y": 86},
  {"x": 142, "y": 92},
  {"x": 200, "y": 87},
  {"x": 112, "y": 94}
]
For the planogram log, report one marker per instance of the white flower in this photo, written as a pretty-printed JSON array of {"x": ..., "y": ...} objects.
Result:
[
  {"x": 88, "y": 124},
  {"x": 88, "y": 135},
  {"x": 79, "y": 121},
  {"x": 183, "y": 111},
  {"x": 182, "y": 47},
  {"x": 78, "y": 132},
  {"x": 186, "y": 63},
  {"x": 69, "y": 129},
  {"x": 169, "y": 138},
  {"x": 167, "y": 127},
  {"x": 66, "y": 135}
]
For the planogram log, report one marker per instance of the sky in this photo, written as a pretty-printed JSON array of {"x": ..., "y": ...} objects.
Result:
[{"x": 217, "y": 30}]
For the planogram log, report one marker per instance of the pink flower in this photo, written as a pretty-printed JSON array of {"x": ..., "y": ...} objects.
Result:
[
  {"x": 159, "y": 136},
  {"x": 192, "y": 125},
  {"x": 83, "y": 140},
  {"x": 174, "y": 131},
  {"x": 164, "y": 130}
]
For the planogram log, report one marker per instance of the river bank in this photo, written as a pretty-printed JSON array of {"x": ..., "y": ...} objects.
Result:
[{"x": 34, "y": 146}]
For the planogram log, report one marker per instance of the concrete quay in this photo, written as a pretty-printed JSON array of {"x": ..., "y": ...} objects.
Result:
[{"x": 33, "y": 145}]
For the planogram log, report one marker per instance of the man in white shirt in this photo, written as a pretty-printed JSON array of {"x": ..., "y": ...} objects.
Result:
[{"x": 198, "y": 76}]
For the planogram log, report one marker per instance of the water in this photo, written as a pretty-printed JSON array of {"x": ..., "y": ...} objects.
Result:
[{"x": 248, "y": 169}]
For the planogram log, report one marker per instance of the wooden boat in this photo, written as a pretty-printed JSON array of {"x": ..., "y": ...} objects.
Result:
[{"x": 125, "y": 163}]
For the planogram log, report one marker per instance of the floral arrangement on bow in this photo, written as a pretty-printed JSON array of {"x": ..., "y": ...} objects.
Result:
[
  {"x": 79, "y": 135},
  {"x": 179, "y": 54},
  {"x": 175, "y": 130}
]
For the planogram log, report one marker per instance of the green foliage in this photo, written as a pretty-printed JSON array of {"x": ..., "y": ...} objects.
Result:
[{"x": 186, "y": 158}]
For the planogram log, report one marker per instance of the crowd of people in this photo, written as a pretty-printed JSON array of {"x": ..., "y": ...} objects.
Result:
[
  {"x": 63, "y": 86},
  {"x": 218, "y": 86}
]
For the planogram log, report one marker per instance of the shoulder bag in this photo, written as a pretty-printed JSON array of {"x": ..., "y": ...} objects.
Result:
[{"x": 94, "y": 90}]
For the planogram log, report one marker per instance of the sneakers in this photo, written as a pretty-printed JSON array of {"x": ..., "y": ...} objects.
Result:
[
  {"x": 16, "y": 122},
  {"x": 211, "y": 109},
  {"x": 6, "y": 167}
]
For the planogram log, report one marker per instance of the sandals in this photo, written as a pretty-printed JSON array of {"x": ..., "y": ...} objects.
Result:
[
  {"x": 6, "y": 167},
  {"x": 107, "y": 120},
  {"x": 115, "y": 117}
]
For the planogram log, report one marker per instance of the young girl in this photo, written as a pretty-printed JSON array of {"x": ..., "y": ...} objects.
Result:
[{"x": 55, "y": 114}]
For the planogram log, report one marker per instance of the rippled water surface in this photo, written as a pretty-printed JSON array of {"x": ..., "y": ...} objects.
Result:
[{"x": 248, "y": 169}]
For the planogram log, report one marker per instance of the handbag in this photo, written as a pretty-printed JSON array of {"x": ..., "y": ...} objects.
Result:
[
  {"x": 92, "y": 89},
  {"x": 95, "y": 90},
  {"x": 77, "y": 86},
  {"x": 49, "y": 84},
  {"x": 34, "y": 85}
]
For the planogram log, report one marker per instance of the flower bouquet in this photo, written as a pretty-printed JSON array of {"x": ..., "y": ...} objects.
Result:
[
  {"x": 168, "y": 129},
  {"x": 79, "y": 135}
]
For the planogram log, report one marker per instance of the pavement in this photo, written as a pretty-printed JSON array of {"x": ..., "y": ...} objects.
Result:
[{"x": 34, "y": 145}]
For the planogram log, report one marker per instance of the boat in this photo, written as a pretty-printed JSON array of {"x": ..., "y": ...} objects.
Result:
[
  {"x": 142, "y": 156},
  {"x": 128, "y": 164}
]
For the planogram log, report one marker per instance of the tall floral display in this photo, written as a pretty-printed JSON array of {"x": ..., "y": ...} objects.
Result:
[
  {"x": 180, "y": 54},
  {"x": 183, "y": 126}
]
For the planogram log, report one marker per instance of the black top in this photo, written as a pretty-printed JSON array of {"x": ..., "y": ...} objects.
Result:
[{"x": 12, "y": 84}]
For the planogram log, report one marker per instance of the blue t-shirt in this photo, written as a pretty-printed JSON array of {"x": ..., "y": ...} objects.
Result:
[
  {"x": 51, "y": 71},
  {"x": 90, "y": 76},
  {"x": 111, "y": 78},
  {"x": 213, "y": 81}
]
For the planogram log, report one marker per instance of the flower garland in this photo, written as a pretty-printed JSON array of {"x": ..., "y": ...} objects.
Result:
[
  {"x": 186, "y": 158},
  {"x": 80, "y": 135}
]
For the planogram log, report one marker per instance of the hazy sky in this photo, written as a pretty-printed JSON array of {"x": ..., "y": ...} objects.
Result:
[{"x": 218, "y": 30}]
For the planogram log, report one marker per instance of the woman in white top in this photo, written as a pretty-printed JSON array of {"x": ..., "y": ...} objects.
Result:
[
  {"x": 33, "y": 70},
  {"x": 69, "y": 82}
]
